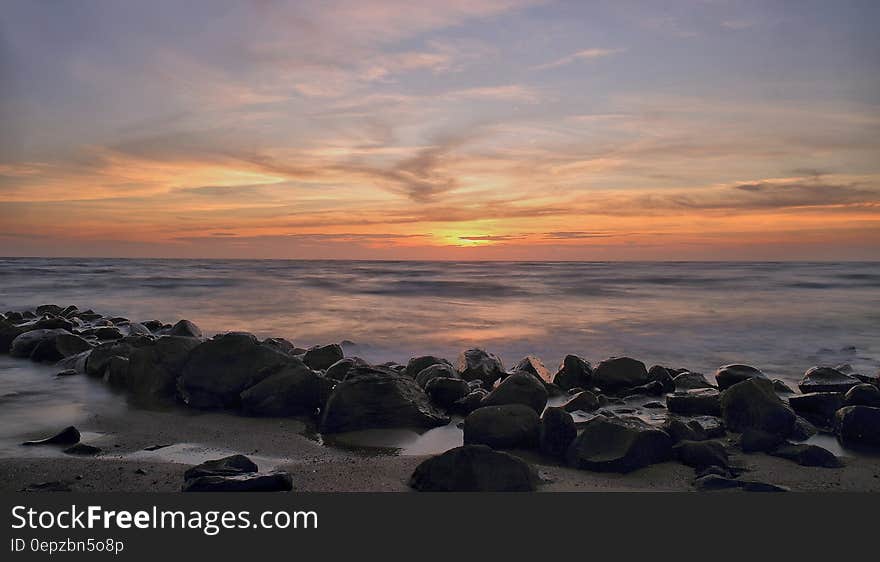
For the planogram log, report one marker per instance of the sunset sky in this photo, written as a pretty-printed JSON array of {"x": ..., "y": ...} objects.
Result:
[{"x": 456, "y": 129}]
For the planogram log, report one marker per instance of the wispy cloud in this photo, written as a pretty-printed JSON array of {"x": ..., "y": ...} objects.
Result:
[{"x": 582, "y": 55}]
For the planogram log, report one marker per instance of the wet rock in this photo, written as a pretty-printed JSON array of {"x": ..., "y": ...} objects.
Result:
[
  {"x": 374, "y": 397},
  {"x": 479, "y": 364},
  {"x": 691, "y": 381},
  {"x": 802, "y": 430},
  {"x": 826, "y": 379},
  {"x": 863, "y": 395},
  {"x": 445, "y": 391},
  {"x": 75, "y": 363},
  {"x": 67, "y": 373},
  {"x": 220, "y": 369},
  {"x": 418, "y": 364},
  {"x": 8, "y": 332},
  {"x": 663, "y": 376},
  {"x": 729, "y": 375},
  {"x": 227, "y": 466},
  {"x": 557, "y": 432},
  {"x": 474, "y": 468},
  {"x": 116, "y": 374},
  {"x": 585, "y": 401},
  {"x": 277, "y": 481},
  {"x": 57, "y": 346},
  {"x": 339, "y": 371},
  {"x": 53, "y": 309},
  {"x": 782, "y": 388},
  {"x": 137, "y": 329},
  {"x": 696, "y": 402},
  {"x": 67, "y": 436},
  {"x": 532, "y": 365},
  {"x": 280, "y": 344},
  {"x": 678, "y": 430},
  {"x": 618, "y": 445},
  {"x": 81, "y": 449},
  {"x": 154, "y": 369},
  {"x": 52, "y": 486},
  {"x": 858, "y": 426},
  {"x": 469, "y": 403},
  {"x": 574, "y": 372},
  {"x": 153, "y": 325},
  {"x": 807, "y": 455},
  {"x": 753, "y": 404},
  {"x": 713, "y": 426},
  {"x": 519, "y": 388},
  {"x": 320, "y": 357},
  {"x": 712, "y": 482},
  {"x": 294, "y": 390},
  {"x": 757, "y": 441},
  {"x": 503, "y": 427},
  {"x": 818, "y": 407},
  {"x": 700, "y": 454},
  {"x": 437, "y": 370},
  {"x": 186, "y": 329},
  {"x": 653, "y": 388},
  {"x": 99, "y": 357},
  {"x": 105, "y": 333},
  {"x": 618, "y": 373},
  {"x": 25, "y": 344}
]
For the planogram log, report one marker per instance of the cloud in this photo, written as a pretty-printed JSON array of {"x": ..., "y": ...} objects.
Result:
[{"x": 583, "y": 55}]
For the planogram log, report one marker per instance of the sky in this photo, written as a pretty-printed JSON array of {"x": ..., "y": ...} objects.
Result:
[{"x": 456, "y": 129}]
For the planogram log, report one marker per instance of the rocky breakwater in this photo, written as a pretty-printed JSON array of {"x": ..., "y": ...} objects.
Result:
[{"x": 616, "y": 416}]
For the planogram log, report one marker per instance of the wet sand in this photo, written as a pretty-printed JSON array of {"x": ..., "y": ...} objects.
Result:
[{"x": 192, "y": 437}]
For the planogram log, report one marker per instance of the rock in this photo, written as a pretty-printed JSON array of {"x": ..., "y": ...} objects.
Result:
[
  {"x": 437, "y": 370},
  {"x": 220, "y": 369},
  {"x": 729, "y": 375},
  {"x": 117, "y": 371},
  {"x": 532, "y": 365},
  {"x": 711, "y": 425},
  {"x": 478, "y": 364},
  {"x": 153, "y": 325},
  {"x": 585, "y": 401},
  {"x": 574, "y": 372},
  {"x": 753, "y": 404},
  {"x": 82, "y": 449},
  {"x": 653, "y": 388},
  {"x": 339, "y": 371},
  {"x": 700, "y": 454},
  {"x": 474, "y": 468},
  {"x": 618, "y": 445},
  {"x": 503, "y": 427},
  {"x": 519, "y": 388},
  {"x": 227, "y": 466},
  {"x": 294, "y": 390},
  {"x": 154, "y": 369},
  {"x": 863, "y": 395},
  {"x": 186, "y": 329},
  {"x": 757, "y": 441},
  {"x": 48, "y": 309},
  {"x": 712, "y": 482},
  {"x": 654, "y": 405},
  {"x": 418, "y": 364},
  {"x": 691, "y": 381},
  {"x": 96, "y": 364},
  {"x": 24, "y": 344},
  {"x": 663, "y": 376},
  {"x": 67, "y": 373},
  {"x": 276, "y": 481},
  {"x": 469, "y": 403},
  {"x": 557, "y": 432},
  {"x": 807, "y": 455},
  {"x": 8, "y": 332},
  {"x": 58, "y": 347},
  {"x": 818, "y": 407},
  {"x": 281, "y": 345},
  {"x": 678, "y": 430},
  {"x": 445, "y": 391},
  {"x": 618, "y": 373},
  {"x": 802, "y": 430},
  {"x": 782, "y": 388},
  {"x": 105, "y": 333},
  {"x": 53, "y": 486},
  {"x": 75, "y": 363},
  {"x": 826, "y": 379},
  {"x": 374, "y": 397},
  {"x": 321, "y": 357},
  {"x": 696, "y": 402},
  {"x": 67, "y": 436},
  {"x": 858, "y": 426},
  {"x": 137, "y": 329}
]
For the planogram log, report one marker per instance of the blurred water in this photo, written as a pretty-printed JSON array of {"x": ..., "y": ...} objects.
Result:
[{"x": 781, "y": 317}]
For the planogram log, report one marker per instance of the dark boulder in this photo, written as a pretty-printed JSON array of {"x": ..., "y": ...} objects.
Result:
[
  {"x": 858, "y": 426},
  {"x": 480, "y": 365},
  {"x": 375, "y": 397},
  {"x": 227, "y": 466},
  {"x": 116, "y": 374},
  {"x": 618, "y": 373},
  {"x": 58, "y": 347},
  {"x": 818, "y": 407},
  {"x": 67, "y": 436},
  {"x": 663, "y": 376},
  {"x": 826, "y": 379},
  {"x": 339, "y": 371},
  {"x": 652, "y": 388},
  {"x": 535, "y": 367},
  {"x": 467, "y": 404},
  {"x": 696, "y": 402},
  {"x": 105, "y": 333},
  {"x": 220, "y": 369},
  {"x": 753, "y": 404},
  {"x": 729, "y": 375},
  {"x": 437, "y": 370},
  {"x": 153, "y": 370},
  {"x": 321, "y": 357},
  {"x": 25, "y": 344},
  {"x": 503, "y": 427},
  {"x": 186, "y": 329},
  {"x": 446, "y": 391},
  {"x": 418, "y": 364},
  {"x": 803, "y": 429},
  {"x": 585, "y": 401},
  {"x": 557, "y": 432},
  {"x": 96, "y": 364},
  {"x": 293, "y": 390},
  {"x": 782, "y": 388},
  {"x": 618, "y": 445},
  {"x": 280, "y": 344},
  {"x": 48, "y": 309},
  {"x": 807, "y": 455},
  {"x": 700, "y": 454},
  {"x": 757, "y": 441},
  {"x": 8, "y": 332},
  {"x": 679, "y": 430},
  {"x": 574, "y": 372},
  {"x": 276, "y": 481},
  {"x": 75, "y": 362},
  {"x": 691, "y": 381},
  {"x": 863, "y": 395},
  {"x": 82, "y": 450},
  {"x": 519, "y": 388},
  {"x": 474, "y": 468},
  {"x": 136, "y": 329}
]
